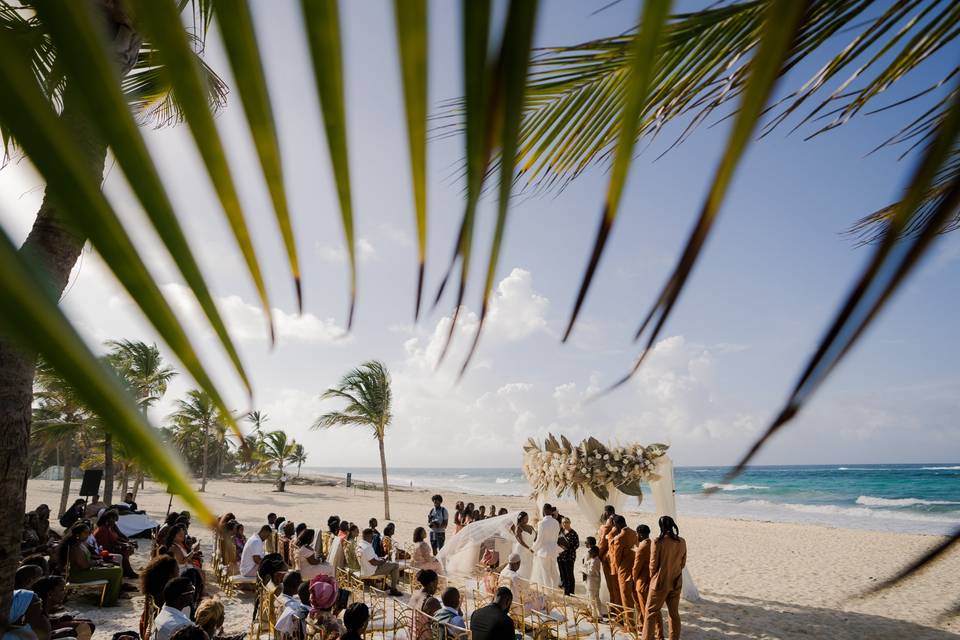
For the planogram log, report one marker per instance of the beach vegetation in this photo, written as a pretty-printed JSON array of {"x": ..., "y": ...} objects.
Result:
[
  {"x": 368, "y": 397},
  {"x": 77, "y": 78}
]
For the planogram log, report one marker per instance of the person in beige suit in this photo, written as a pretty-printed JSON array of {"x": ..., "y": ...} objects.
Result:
[
  {"x": 603, "y": 543},
  {"x": 668, "y": 557},
  {"x": 641, "y": 568},
  {"x": 621, "y": 561}
]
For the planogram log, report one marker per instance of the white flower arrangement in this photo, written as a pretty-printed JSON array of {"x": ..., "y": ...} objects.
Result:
[{"x": 560, "y": 466}]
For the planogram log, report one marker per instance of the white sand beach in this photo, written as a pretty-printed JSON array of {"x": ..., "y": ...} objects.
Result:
[{"x": 757, "y": 579}]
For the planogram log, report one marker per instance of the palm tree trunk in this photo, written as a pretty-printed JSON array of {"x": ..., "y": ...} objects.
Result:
[
  {"x": 203, "y": 482},
  {"x": 298, "y": 468},
  {"x": 108, "y": 468},
  {"x": 138, "y": 483},
  {"x": 124, "y": 480},
  {"x": 67, "y": 479},
  {"x": 386, "y": 489}
]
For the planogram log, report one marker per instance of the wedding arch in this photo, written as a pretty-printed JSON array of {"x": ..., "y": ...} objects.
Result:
[{"x": 597, "y": 475}]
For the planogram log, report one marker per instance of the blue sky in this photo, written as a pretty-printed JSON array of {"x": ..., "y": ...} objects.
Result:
[{"x": 762, "y": 293}]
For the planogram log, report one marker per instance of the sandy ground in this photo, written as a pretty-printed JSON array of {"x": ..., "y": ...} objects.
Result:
[{"x": 758, "y": 579}]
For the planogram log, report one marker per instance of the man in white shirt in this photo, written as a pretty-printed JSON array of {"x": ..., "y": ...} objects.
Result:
[
  {"x": 177, "y": 596},
  {"x": 253, "y": 552},
  {"x": 373, "y": 565},
  {"x": 510, "y": 576}
]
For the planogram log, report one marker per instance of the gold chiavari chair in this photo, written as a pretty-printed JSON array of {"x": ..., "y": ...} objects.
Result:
[{"x": 623, "y": 622}]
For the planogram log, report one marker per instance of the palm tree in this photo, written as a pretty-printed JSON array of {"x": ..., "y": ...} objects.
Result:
[
  {"x": 142, "y": 368},
  {"x": 366, "y": 391},
  {"x": 61, "y": 421},
  {"x": 299, "y": 456},
  {"x": 275, "y": 450},
  {"x": 194, "y": 419}
]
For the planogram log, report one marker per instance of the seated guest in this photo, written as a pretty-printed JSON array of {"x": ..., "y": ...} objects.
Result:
[
  {"x": 170, "y": 520},
  {"x": 228, "y": 548},
  {"x": 176, "y": 544},
  {"x": 292, "y": 618},
  {"x": 131, "y": 503},
  {"x": 289, "y": 587},
  {"x": 29, "y": 539},
  {"x": 324, "y": 597},
  {"x": 239, "y": 539},
  {"x": 84, "y": 567},
  {"x": 74, "y": 513},
  {"x": 159, "y": 571},
  {"x": 333, "y": 528},
  {"x": 493, "y": 621},
  {"x": 199, "y": 586},
  {"x": 52, "y": 590},
  {"x": 309, "y": 562},
  {"x": 373, "y": 565},
  {"x": 37, "y": 560},
  {"x": 355, "y": 619},
  {"x": 26, "y": 575},
  {"x": 94, "y": 508},
  {"x": 350, "y": 548},
  {"x": 419, "y": 600},
  {"x": 377, "y": 538},
  {"x": 210, "y": 617},
  {"x": 299, "y": 530},
  {"x": 387, "y": 541},
  {"x": 423, "y": 557},
  {"x": 510, "y": 575},
  {"x": 450, "y": 613},
  {"x": 26, "y": 612},
  {"x": 285, "y": 542},
  {"x": 343, "y": 530},
  {"x": 271, "y": 571},
  {"x": 177, "y": 595},
  {"x": 337, "y": 556},
  {"x": 192, "y": 632},
  {"x": 108, "y": 536},
  {"x": 43, "y": 524},
  {"x": 253, "y": 551}
]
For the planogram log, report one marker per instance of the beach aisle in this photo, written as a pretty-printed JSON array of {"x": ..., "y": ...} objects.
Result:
[{"x": 758, "y": 579}]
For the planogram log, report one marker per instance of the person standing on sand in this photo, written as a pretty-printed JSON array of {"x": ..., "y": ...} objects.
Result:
[
  {"x": 641, "y": 568},
  {"x": 668, "y": 557},
  {"x": 621, "y": 561},
  {"x": 546, "y": 571},
  {"x": 568, "y": 541},
  {"x": 603, "y": 543},
  {"x": 437, "y": 520}
]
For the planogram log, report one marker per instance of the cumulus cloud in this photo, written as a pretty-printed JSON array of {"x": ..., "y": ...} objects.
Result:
[
  {"x": 516, "y": 310},
  {"x": 246, "y": 323},
  {"x": 366, "y": 252}
]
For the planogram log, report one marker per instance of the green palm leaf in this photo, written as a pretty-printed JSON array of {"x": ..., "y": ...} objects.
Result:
[
  {"x": 240, "y": 42},
  {"x": 161, "y": 21},
  {"x": 322, "y": 21},
  {"x": 40, "y": 326},
  {"x": 411, "y": 19},
  {"x": 81, "y": 48},
  {"x": 53, "y": 150}
]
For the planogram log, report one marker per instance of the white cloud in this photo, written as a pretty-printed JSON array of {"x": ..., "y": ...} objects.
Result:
[
  {"x": 246, "y": 322},
  {"x": 366, "y": 252},
  {"x": 516, "y": 310}
]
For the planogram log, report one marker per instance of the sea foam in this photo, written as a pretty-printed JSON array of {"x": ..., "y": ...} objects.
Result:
[
  {"x": 871, "y": 501},
  {"x": 731, "y": 487}
]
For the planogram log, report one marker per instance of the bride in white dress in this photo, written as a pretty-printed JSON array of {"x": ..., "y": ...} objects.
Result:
[
  {"x": 546, "y": 571},
  {"x": 524, "y": 537}
]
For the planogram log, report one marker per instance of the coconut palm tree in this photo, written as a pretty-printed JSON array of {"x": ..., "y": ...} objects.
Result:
[
  {"x": 299, "y": 456},
  {"x": 194, "y": 419},
  {"x": 61, "y": 421},
  {"x": 366, "y": 391},
  {"x": 275, "y": 451},
  {"x": 143, "y": 370}
]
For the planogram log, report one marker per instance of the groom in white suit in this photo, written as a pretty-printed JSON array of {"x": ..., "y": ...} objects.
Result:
[{"x": 545, "y": 549}]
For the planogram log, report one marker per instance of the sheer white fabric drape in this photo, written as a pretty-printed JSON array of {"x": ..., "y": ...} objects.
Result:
[{"x": 665, "y": 503}]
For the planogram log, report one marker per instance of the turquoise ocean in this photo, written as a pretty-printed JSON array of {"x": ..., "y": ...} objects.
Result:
[{"x": 910, "y": 498}]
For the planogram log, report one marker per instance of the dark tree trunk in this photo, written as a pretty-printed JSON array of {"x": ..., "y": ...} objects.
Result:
[
  {"x": 67, "y": 479},
  {"x": 203, "y": 480},
  {"x": 125, "y": 480},
  {"x": 138, "y": 483},
  {"x": 53, "y": 247}
]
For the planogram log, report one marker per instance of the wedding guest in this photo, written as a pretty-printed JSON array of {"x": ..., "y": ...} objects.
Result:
[
  {"x": 419, "y": 599},
  {"x": 668, "y": 557},
  {"x": 43, "y": 525},
  {"x": 51, "y": 590},
  {"x": 568, "y": 541},
  {"x": 74, "y": 513},
  {"x": 492, "y": 511},
  {"x": 337, "y": 555},
  {"x": 109, "y": 537},
  {"x": 437, "y": 520},
  {"x": 27, "y": 610},
  {"x": 502, "y": 512},
  {"x": 422, "y": 557},
  {"x": 195, "y": 576},
  {"x": 510, "y": 575},
  {"x": 641, "y": 567},
  {"x": 377, "y": 538},
  {"x": 458, "y": 516},
  {"x": 26, "y": 575},
  {"x": 239, "y": 539},
  {"x": 253, "y": 552},
  {"x": 84, "y": 567},
  {"x": 292, "y": 618},
  {"x": 311, "y": 563},
  {"x": 153, "y": 578},
  {"x": 350, "y": 548},
  {"x": 94, "y": 508},
  {"x": 373, "y": 565},
  {"x": 450, "y": 612},
  {"x": 176, "y": 544},
  {"x": 483, "y": 512},
  {"x": 323, "y": 597},
  {"x": 177, "y": 595},
  {"x": 387, "y": 541},
  {"x": 607, "y": 530},
  {"x": 228, "y": 548},
  {"x": 621, "y": 561},
  {"x": 493, "y": 621},
  {"x": 285, "y": 542},
  {"x": 333, "y": 528},
  {"x": 592, "y": 573},
  {"x": 355, "y": 619}
]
